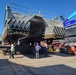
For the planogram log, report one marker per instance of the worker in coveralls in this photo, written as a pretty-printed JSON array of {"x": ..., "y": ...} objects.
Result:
[{"x": 37, "y": 48}]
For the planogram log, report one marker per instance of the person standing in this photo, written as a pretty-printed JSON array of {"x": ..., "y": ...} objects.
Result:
[
  {"x": 37, "y": 48},
  {"x": 12, "y": 51},
  {"x": 45, "y": 47},
  {"x": 34, "y": 50}
]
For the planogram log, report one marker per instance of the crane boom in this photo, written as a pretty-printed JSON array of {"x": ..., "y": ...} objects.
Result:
[
  {"x": 72, "y": 15},
  {"x": 69, "y": 22}
]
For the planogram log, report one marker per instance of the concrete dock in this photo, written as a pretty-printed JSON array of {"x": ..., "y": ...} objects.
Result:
[{"x": 54, "y": 64}]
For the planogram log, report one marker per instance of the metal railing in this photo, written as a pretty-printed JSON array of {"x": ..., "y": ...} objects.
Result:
[{"x": 29, "y": 11}]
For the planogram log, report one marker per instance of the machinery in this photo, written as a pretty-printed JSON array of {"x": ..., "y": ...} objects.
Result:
[
  {"x": 53, "y": 46},
  {"x": 26, "y": 28},
  {"x": 51, "y": 50},
  {"x": 70, "y": 31},
  {"x": 68, "y": 22},
  {"x": 68, "y": 49}
]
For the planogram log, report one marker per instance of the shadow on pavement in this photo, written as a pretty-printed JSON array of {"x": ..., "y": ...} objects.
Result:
[
  {"x": 53, "y": 70},
  {"x": 32, "y": 56},
  {"x": 62, "y": 54},
  {"x": 11, "y": 68}
]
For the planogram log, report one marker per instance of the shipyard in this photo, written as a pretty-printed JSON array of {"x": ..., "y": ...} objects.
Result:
[{"x": 31, "y": 43}]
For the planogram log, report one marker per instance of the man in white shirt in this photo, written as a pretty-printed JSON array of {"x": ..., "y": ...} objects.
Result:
[{"x": 12, "y": 51}]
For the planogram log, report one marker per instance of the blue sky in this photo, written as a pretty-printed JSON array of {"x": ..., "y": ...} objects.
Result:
[{"x": 54, "y": 7}]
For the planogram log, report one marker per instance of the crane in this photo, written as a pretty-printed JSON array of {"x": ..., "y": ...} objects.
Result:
[{"x": 68, "y": 22}]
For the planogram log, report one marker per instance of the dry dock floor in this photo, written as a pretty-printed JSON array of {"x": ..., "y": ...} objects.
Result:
[{"x": 54, "y": 64}]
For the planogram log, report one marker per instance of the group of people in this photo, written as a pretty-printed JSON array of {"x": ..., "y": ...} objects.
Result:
[{"x": 37, "y": 48}]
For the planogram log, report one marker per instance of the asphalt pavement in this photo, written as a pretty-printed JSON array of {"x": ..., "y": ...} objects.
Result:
[{"x": 54, "y": 64}]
